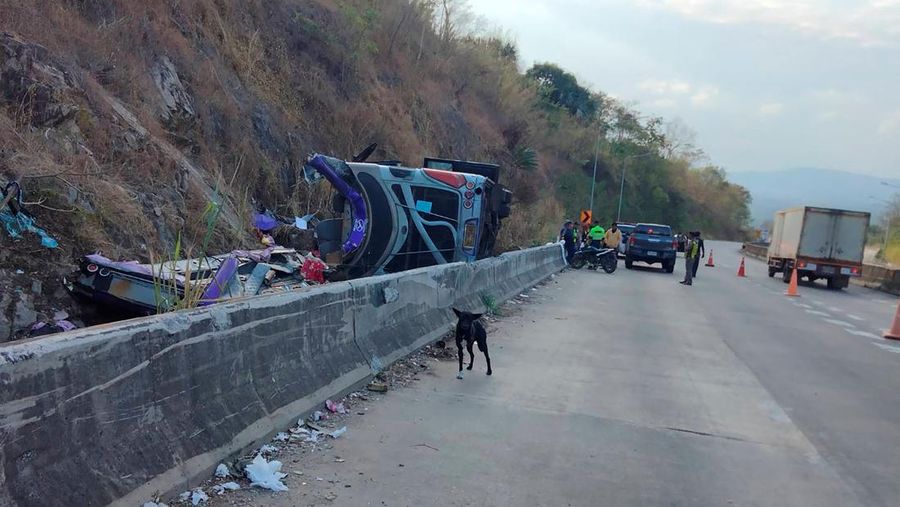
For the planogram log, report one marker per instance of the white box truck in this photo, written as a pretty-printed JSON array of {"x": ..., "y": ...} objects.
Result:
[{"x": 820, "y": 243}]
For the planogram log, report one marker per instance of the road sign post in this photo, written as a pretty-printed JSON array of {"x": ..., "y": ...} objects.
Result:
[{"x": 586, "y": 217}]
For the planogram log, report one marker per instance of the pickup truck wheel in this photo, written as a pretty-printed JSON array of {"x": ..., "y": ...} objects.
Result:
[
  {"x": 669, "y": 267},
  {"x": 628, "y": 263}
]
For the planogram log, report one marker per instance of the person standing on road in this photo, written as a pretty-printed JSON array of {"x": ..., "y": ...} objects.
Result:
[
  {"x": 613, "y": 237},
  {"x": 702, "y": 251},
  {"x": 568, "y": 237},
  {"x": 690, "y": 252},
  {"x": 596, "y": 235}
]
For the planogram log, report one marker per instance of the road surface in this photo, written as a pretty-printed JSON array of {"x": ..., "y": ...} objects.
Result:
[{"x": 630, "y": 389}]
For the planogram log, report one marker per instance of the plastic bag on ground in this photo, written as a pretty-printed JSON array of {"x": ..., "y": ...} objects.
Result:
[
  {"x": 338, "y": 432},
  {"x": 220, "y": 489},
  {"x": 222, "y": 470},
  {"x": 265, "y": 474}
]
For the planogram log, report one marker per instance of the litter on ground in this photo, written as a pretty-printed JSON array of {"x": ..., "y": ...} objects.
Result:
[
  {"x": 338, "y": 432},
  {"x": 222, "y": 471},
  {"x": 220, "y": 489},
  {"x": 266, "y": 474}
]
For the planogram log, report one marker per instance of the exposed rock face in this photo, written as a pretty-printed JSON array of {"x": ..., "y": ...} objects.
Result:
[
  {"x": 33, "y": 83},
  {"x": 178, "y": 106}
]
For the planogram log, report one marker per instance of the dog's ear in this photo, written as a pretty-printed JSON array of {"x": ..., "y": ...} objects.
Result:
[
  {"x": 458, "y": 313},
  {"x": 476, "y": 316}
]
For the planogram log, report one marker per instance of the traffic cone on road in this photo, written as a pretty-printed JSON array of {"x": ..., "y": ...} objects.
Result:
[
  {"x": 741, "y": 273},
  {"x": 894, "y": 332},
  {"x": 792, "y": 287},
  {"x": 709, "y": 262}
]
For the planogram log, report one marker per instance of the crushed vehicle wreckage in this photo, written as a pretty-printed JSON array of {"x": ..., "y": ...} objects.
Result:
[
  {"x": 135, "y": 289},
  {"x": 389, "y": 218},
  {"x": 395, "y": 218}
]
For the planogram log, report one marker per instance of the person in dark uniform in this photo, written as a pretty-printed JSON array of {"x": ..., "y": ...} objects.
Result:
[{"x": 568, "y": 237}]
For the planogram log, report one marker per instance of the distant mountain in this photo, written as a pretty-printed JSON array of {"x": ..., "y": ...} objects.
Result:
[{"x": 776, "y": 190}]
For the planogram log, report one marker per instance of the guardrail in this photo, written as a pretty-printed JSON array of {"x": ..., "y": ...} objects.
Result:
[
  {"x": 113, "y": 414},
  {"x": 876, "y": 277}
]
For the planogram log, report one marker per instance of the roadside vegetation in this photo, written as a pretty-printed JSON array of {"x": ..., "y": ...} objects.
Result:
[{"x": 243, "y": 91}]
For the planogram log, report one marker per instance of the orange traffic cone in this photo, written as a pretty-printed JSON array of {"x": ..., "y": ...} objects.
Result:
[
  {"x": 894, "y": 332},
  {"x": 792, "y": 287},
  {"x": 741, "y": 273},
  {"x": 709, "y": 262}
]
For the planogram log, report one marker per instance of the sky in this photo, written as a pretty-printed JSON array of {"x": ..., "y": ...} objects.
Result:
[{"x": 765, "y": 84}]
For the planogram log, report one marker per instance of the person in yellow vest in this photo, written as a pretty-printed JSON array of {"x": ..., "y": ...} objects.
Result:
[
  {"x": 691, "y": 251},
  {"x": 596, "y": 235},
  {"x": 613, "y": 237}
]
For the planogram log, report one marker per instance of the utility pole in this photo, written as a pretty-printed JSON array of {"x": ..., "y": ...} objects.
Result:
[
  {"x": 594, "y": 178},
  {"x": 622, "y": 185}
]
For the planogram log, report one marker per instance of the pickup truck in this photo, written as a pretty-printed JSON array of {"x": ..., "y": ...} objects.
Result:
[{"x": 651, "y": 243}]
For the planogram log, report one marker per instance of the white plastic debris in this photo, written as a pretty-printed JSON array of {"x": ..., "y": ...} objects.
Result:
[
  {"x": 268, "y": 449},
  {"x": 198, "y": 497},
  {"x": 184, "y": 497},
  {"x": 338, "y": 432},
  {"x": 222, "y": 471},
  {"x": 154, "y": 504},
  {"x": 265, "y": 474},
  {"x": 316, "y": 417},
  {"x": 308, "y": 435},
  {"x": 282, "y": 437},
  {"x": 220, "y": 489}
]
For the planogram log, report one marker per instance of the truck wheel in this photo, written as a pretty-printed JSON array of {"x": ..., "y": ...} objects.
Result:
[
  {"x": 772, "y": 272},
  {"x": 786, "y": 275},
  {"x": 833, "y": 284},
  {"x": 628, "y": 263}
]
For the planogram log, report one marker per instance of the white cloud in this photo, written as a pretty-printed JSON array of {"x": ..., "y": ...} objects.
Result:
[
  {"x": 704, "y": 96},
  {"x": 890, "y": 125},
  {"x": 664, "y": 104},
  {"x": 771, "y": 108},
  {"x": 662, "y": 87},
  {"x": 866, "y": 22}
]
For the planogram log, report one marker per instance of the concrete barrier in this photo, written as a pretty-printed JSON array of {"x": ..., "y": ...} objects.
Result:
[
  {"x": 873, "y": 276},
  {"x": 113, "y": 414}
]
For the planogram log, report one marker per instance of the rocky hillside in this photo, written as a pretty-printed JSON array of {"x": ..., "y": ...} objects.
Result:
[{"x": 126, "y": 122}]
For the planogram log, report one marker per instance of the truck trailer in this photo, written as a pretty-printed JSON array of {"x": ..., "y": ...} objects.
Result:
[{"x": 820, "y": 243}]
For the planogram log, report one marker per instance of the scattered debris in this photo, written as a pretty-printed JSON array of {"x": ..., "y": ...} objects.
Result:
[
  {"x": 154, "y": 504},
  {"x": 338, "y": 432},
  {"x": 428, "y": 446},
  {"x": 318, "y": 415},
  {"x": 282, "y": 437},
  {"x": 391, "y": 294},
  {"x": 45, "y": 327},
  {"x": 196, "y": 496},
  {"x": 268, "y": 449},
  {"x": 378, "y": 387},
  {"x": 335, "y": 408},
  {"x": 220, "y": 489},
  {"x": 16, "y": 220},
  {"x": 266, "y": 474},
  {"x": 222, "y": 471}
]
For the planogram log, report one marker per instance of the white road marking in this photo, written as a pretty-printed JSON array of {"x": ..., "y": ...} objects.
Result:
[
  {"x": 895, "y": 350},
  {"x": 841, "y": 323},
  {"x": 816, "y": 301},
  {"x": 835, "y": 310},
  {"x": 854, "y": 317},
  {"x": 803, "y": 305},
  {"x": 817, "y": 312},
  {"x": 867, "y": 334}
]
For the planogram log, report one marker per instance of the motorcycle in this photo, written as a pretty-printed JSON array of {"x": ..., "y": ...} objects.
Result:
[{"x": 594, "y": 257}]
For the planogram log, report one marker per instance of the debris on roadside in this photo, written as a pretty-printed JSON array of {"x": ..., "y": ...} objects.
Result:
[
  {"x": 220, "y": 489},
  {"x": 335, "y": 408},
  {"x": 281, "y": 437},
  {"x": 196, "y": 496},
  {"x": 222, "y": 471},
  {"x": 268, "y": 449},
  {"x": 16, "y": 220},
  {"x": 338, "y": 432},
  {"x": 265, "y": 474},
  {"x": 377, "y": 387}
]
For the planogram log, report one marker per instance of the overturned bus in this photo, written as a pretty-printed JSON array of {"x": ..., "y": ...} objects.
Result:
[{"x": 395, "y": 218}]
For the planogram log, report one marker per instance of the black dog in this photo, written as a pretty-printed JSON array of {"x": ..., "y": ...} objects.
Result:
[{"x": 471, "y": 330}]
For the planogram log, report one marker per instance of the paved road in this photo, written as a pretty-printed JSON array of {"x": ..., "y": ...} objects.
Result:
[{"x": 629, "y": 389}]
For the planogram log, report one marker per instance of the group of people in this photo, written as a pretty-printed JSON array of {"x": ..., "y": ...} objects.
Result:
[
  {"x": 596, "y": 236},
  {"x": 599, "y": 237}
]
